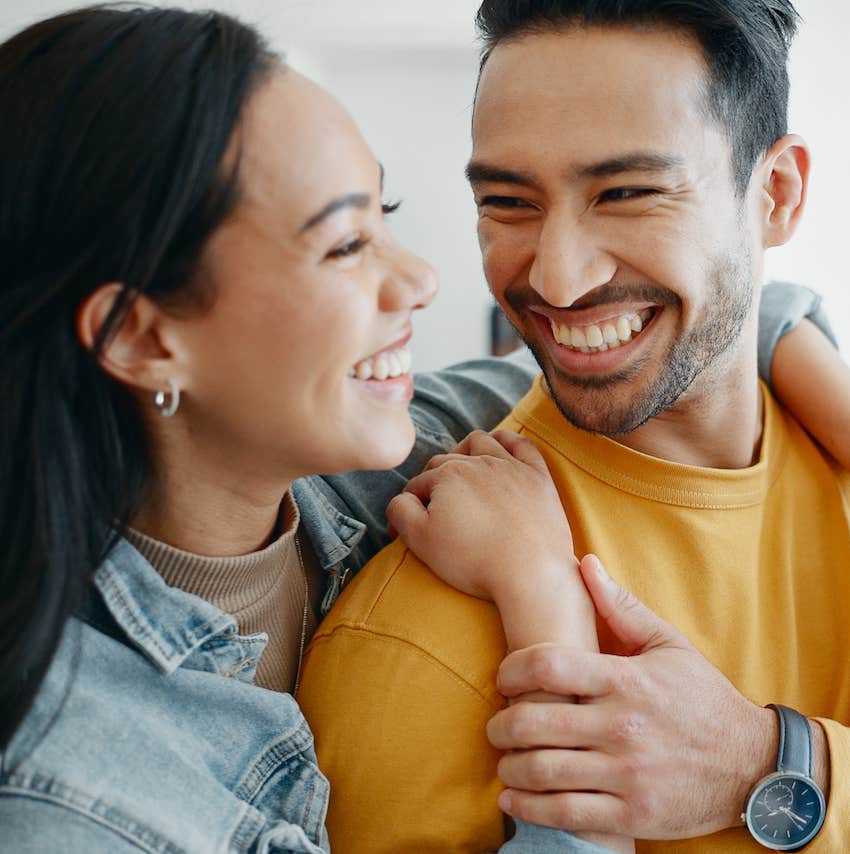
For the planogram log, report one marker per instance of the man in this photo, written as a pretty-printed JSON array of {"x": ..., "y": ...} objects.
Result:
[{"x": 630, "y": 165}]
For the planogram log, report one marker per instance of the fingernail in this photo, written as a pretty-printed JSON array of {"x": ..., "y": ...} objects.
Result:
[
  {"x": 505, "y": 801},
  {"x": 601, "y": 572}
]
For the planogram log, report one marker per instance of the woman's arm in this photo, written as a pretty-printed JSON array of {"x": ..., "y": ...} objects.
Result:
[
  {"x": 813, "y": 383},
  {"x": 488, "y": 520}
]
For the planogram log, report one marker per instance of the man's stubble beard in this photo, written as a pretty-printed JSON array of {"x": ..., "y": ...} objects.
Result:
[{"x": 610, "y": 410}]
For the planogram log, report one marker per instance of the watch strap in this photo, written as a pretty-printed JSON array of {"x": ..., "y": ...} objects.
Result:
[{"x": 795, "y": 741}]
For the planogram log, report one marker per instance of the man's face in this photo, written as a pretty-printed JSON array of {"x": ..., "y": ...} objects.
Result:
[{"x": 609, "y": 225}]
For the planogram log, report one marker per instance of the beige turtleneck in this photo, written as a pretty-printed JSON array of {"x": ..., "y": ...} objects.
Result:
[{"x": 266, "y": 591}]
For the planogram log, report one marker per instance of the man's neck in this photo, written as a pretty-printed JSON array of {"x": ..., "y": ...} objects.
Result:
[{"x": 716, "y": 424}]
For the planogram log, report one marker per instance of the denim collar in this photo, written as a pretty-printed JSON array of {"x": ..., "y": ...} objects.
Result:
[
  {"x": 166, "y": 624},
  {"x": 169, "y": 625},
  {"x": 332, "y": 533}
]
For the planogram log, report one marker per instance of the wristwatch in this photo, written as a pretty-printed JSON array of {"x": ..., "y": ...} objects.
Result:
[{"x": 786, "y": 809}]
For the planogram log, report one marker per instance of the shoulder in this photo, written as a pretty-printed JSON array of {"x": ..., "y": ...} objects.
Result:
[
  {"x": 210, "y": 756},
  {"x": 397, "y": 602}
]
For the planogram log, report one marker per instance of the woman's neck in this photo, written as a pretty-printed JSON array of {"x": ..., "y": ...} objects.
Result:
[{"x": 211, "y": 515}]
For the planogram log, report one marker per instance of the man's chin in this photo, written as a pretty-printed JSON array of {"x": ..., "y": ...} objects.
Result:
[{"x": 609, "y": 407}]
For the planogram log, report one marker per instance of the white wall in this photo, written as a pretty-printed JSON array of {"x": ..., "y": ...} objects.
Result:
[{"x": 406, "y": 71}]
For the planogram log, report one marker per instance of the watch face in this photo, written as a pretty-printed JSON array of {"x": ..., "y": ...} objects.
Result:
[{"x": 785, "y": 811}]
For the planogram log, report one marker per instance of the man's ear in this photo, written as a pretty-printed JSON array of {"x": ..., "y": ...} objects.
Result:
[
  {"x": 134, "y": 354},
  {"x": 785, "y": 181}
]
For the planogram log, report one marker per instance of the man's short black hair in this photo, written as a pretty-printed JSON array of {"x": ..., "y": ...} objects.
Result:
[{"x": 745, "y": 43}]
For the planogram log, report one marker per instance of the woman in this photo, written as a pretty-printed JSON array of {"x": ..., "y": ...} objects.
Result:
[
  {"x": 200, "y": 303},
  {"x": 195, "y": 283}
]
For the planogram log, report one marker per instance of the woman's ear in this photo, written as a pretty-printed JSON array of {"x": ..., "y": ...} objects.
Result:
[
  {"x": 134, "y": 353},
  {"x": 785, "y": 179}
]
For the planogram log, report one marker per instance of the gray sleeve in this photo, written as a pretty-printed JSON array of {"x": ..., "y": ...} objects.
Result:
[
  {"x": 783, "y": 306},
  {"x": 447, "y": 405},
  {"x": 533, "y": 839}
]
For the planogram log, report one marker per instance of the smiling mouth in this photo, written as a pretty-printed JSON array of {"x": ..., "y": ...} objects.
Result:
[
  {"x": 387, "y": 365},
  {"x": 597, "y": 338}
]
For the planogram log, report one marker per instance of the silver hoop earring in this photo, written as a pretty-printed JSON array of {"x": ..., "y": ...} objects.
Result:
[{"x": 167, "y": 402}]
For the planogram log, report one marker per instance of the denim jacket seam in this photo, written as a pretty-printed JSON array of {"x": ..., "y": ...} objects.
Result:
[
  {"x": 40, "y": 787},
  {"x": 294, "y": 744}
]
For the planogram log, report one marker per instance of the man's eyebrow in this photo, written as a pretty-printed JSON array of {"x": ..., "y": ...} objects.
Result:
[
  {"x": 478, "y": 172},
  {"x": 636, "y": 162},
  {"x": 349, "y": 200}
]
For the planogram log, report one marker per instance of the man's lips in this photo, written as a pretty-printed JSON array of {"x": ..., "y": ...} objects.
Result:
[{"x": 596, "y": 347}]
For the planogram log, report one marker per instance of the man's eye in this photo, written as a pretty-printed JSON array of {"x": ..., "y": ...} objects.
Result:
[
  {"x": 624, "y": 194},
  {"x": 502, "y": 202},
  {"x": 350, "y": 247}
]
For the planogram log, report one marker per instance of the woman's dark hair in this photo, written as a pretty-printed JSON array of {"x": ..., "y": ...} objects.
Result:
[
  {"x": 115, "y": 122},
  {"x": 745, "y": 43}
]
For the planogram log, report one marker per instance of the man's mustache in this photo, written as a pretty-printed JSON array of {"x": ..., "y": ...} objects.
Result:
[{"x": 520, "y": 297}]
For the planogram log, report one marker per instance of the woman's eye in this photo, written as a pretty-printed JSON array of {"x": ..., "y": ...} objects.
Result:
[
  {"x": 351, "y": 247},
  {"x": 624, "y": 194},
  {"x": 390, "y": 207}
]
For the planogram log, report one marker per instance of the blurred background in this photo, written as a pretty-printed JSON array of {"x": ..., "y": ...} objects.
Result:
[{"x": 406, "y": 71}]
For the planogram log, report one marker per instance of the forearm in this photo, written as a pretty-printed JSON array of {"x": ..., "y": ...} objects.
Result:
[
  {"x": 553, "y": 608},
  {"x": 548, "y": 605},
  {"x": 813, "y": 383}
]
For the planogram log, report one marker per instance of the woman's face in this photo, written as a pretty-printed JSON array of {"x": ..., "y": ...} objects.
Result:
[{"x": 300, "y": 365}]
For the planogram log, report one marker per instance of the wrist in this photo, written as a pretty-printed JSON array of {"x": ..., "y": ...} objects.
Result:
[
  {"x": 820, "y": 758},
  {"x": 757, "y": 761},
  {"x": 548, "y": 603}
]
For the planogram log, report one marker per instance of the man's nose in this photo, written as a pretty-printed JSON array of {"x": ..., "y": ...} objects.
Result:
[
  {"x": 569, "y": 262},
  {"x": 410, "y": 282}
]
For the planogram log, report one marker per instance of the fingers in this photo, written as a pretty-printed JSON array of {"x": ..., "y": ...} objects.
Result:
[
  {"x": 520, "y": 448},
  {"x": 557, "y": 670},
  {"x": 499, "y": 443},
  {"x": 533, "y": 725},
  {"x": 576, "y": 811},
  {"x": 407, "y": 517},
  {"x": 559, "y": 770},
  {"x": 633, "y": 624}
]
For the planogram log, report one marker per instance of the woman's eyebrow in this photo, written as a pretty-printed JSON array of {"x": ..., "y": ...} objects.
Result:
[{"x": 349, "y": 200}]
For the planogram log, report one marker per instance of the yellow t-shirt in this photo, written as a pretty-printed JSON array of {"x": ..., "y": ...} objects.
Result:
[{"x": 752, "y": 565}]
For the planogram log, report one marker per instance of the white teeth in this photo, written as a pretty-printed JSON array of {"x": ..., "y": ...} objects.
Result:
[
  {"x": 394, "y": 365},
  {"x": 380, "y": 368},
  {"x": 609, "y": 333},
  {"x": 594, "y": 336},
  {"x": 388, "y": 365},
  {"x": 608, "y": 336}
]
